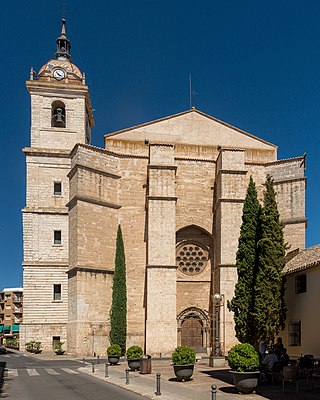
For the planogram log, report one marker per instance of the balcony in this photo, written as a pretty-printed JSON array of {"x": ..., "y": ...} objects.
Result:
[
  {"x": 17, "y": 299},
  {"x": 17, "y": 311}
]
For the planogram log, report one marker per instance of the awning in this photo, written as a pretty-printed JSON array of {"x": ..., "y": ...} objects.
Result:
[
  {"x": 6, "y": 328},
  {"x": 1, "y": 328},
  {"x": 15, "y": 328}
]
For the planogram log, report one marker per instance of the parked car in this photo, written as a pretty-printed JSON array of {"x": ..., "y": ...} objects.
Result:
[{"x": 3, "y": 349}]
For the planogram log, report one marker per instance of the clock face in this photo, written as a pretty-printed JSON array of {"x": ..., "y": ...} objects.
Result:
[{"x": 58, "y": 74}]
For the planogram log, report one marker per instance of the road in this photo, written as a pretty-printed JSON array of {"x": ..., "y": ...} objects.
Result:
[{"x": 32, "y": 379}]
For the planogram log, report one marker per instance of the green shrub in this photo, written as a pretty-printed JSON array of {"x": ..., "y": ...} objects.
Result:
[
  {"x": 58, "y": 346},
  {"x": 37, "y": 346},
  {"x": 243, "y": 358},
  {"x": 183, "y": 355},
  {"x": 134, "y": 352},
  {"x": 114, "y": 350}
]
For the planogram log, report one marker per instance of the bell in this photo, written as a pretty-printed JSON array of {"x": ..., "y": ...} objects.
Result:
[{"x": 59, "y": 116}]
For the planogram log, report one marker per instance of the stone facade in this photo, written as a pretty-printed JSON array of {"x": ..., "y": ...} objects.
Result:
[{"x": 176, "y": 186}]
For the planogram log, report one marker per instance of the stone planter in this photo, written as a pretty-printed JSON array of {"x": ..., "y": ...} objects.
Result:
[
  {"x": 183, "y": 372},
  {"x": 134, "y": 364},
  {"x": 113, "y": 359},
  {"x": 59, "y": 352},
  {"x": 246, "y": 382}
]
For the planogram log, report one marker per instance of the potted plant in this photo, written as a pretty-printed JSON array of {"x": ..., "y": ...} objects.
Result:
[
  {"x": 183, "y": 359},
  {"x": 37, "y": 347},
  {"x": 58, "y": 348},
  {"x": 114, "y": 353},
  {"x": 133, "y": 357},
  {"x": 244, "y": 362},
  {"x": 29, "y": 347}
]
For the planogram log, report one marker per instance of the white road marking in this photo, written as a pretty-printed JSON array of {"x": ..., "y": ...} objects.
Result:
[
  {"x": 32, "y": 372},
  {"x": 51, "y": 371},
  {"x": 69, "y": 371},
  {"x": 12, "y": 372}
]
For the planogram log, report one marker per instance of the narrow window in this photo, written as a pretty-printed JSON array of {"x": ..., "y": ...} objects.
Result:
[
  {"x": 57, "y": 237},
  {"x": 56, "y": 292},
  {"x": 57, "y": 188},
  {"x": 58, "y": 114},
  {"x": 301, "y": 283},
  {"x": 294, "y": 329}
]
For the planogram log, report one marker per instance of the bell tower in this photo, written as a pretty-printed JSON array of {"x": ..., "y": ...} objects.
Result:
[{"x": 61, "y": 117}]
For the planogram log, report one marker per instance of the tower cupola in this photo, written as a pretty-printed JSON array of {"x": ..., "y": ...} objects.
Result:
[{"x": 63, "y": 44}]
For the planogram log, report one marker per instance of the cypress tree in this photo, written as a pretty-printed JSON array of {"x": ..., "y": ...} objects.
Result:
[
  {"x": 118, "y": 315},
  {"x": 269, "y": 308},
  {"x": 243, "y": 301}
]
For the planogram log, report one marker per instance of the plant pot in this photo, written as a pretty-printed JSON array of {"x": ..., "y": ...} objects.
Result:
[
  {"x": 59, "y": 352},
  {"x": 246, "y": 382},
  {"x": 183, "y": 372},
  {"x": 37, "y": 351},
  {"x": 134, "y": 364},
  {"x": 113, "y": 359}
]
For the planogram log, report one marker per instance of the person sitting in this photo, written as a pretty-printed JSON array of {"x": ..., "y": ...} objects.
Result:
[
  {"x": 278, "y": 347},
  {"x": 267, "y": 364},
  {"x": 284, "y": 358},
  {"x": 269, "y": 360}
]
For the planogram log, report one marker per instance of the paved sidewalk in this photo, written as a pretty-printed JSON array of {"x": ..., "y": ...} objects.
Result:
[{"x": 199, "y": 388}]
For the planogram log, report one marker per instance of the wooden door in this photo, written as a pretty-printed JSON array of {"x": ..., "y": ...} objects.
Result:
[{"x": 191, "y": 333}]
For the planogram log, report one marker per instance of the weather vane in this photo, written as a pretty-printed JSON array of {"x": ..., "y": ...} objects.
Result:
[{"x": 192, "y": 93}]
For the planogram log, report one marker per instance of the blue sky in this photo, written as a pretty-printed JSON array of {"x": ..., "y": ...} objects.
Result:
[{"x": 254, "y": 64}]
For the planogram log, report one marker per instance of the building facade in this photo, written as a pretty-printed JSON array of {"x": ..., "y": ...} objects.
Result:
[
  {"x": 11, "y": 313},
  {"x": 300, "y": 335},
  {"x": 175, "y": 185}
]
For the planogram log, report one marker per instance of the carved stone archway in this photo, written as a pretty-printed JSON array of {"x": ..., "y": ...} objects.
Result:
[{"x": 194, "y": 328}]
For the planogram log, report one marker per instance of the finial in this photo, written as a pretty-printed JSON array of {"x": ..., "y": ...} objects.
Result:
[
  {"x": 32, "y": 73},
  {"x": 63, "y": 44},
  {"x": 63, "y": 28}
]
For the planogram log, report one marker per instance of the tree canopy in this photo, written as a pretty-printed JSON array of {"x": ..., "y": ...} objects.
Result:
[
  {"x": 258, "y": 302},
  {"x": 118, "y": 314}
]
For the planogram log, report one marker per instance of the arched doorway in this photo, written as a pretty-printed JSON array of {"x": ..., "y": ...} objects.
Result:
[
  {"x": 194, "y": 328},
  {"x": 191, "y": 333}
]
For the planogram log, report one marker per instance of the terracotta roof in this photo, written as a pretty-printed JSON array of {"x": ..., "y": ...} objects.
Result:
[{"x": 306, "y": 259}]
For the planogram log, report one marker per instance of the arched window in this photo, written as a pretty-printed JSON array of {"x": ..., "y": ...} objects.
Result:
[{"x": 58, "y": 114}]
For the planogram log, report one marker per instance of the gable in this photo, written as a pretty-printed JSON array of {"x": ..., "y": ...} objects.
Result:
[{"x": 192, "y": 127}]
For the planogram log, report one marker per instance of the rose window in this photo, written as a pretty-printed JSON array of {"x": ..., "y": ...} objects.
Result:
[{"x": 191, "y": 259}]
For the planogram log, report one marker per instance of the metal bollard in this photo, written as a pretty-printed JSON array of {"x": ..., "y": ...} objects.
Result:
[
  {"x": 213, "y": 392},
  {"x": 98, "y": 359},
  {"x": 158, "y": 376},
  {"x": 127, "y": 376},
  {"x": 84, "y": 361},
  {"x": 106, "y": 371},
  {"x": 92, "y": 366}
]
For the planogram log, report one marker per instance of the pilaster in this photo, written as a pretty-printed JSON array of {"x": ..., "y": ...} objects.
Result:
[{"x": 161, "y": 325}]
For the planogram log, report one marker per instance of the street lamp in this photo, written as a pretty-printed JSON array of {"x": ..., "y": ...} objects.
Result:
[{"x": 218, "y": 301}]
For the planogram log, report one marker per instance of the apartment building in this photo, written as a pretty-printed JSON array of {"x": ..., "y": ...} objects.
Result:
[{"x": 11, "y": 312}]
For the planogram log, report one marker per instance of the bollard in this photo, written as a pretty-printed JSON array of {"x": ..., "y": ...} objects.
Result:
[
  {"x": 160, "y": 356},
  {"x": 98, "y": 359},
  {"x": 92, "y": 366},
  {"x": 106, "y": 371},
  {"x": 158, "y": 376},
  {"x": 213, "y": 392},
  {"x": 84, "y": 361},
  {"x": 127, "y": 376}
]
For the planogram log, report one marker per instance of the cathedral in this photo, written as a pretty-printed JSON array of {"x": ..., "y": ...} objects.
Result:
[{"x": 176, "y": 186}]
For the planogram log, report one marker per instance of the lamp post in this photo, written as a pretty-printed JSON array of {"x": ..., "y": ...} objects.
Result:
[{"x": 219, "y": 345}]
